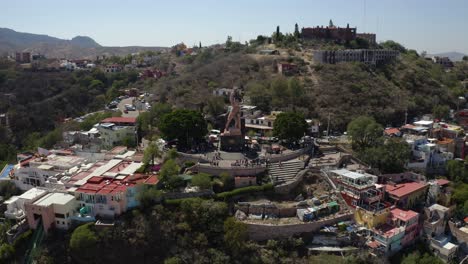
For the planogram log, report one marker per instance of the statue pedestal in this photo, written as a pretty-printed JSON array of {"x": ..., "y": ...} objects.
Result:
[{"x": 232, "y": 140}]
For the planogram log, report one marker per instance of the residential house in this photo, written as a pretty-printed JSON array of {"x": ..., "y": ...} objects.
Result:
[
  {"x": 52, "y": 210},
  {"x": 445, "y": 62},
  {"x": 435, "y": 220},
  {"x": 15, "y": 205},
  {"x": 443, "y": 248},
  {"x": 112, "y": 68},
  {"x": 35, "y": 171},
  {"x": 406, "y": 195},
  {"x": 114, "y": 130},
  {"x": 439, "y": 192},
  {"x": 224, "y": 92},
  {"x": 400, "y": 230},
  {"x": 358, "y": 188}
]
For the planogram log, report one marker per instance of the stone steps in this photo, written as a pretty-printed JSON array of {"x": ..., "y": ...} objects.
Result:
[{"x": 287, "y": 172}]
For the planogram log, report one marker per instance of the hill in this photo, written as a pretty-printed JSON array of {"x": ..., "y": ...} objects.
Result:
[
  {"x": 342, "y": 91},
  {"x": 453, "y": 55},
  {"x": 78, "y": 47}
]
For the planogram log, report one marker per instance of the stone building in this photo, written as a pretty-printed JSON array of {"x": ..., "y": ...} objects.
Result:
[
  {"x": 368, "y": 56},
  {"x": 337, "y": 34}
]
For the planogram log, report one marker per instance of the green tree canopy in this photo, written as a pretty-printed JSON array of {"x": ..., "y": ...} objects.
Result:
[
  {"x": 83, "y": 243},
  {"x": 169, "y": 175},
  {"x": 202, "y": 180},
  {"x": 186, "y": 126},
  {"x": 289, "y": 126},
  {"x": 365, "y": 132},
  {"x": 441, "y": 112},
  {"x": 235, "y": 235},
  {"x": 390, "y": 157}
]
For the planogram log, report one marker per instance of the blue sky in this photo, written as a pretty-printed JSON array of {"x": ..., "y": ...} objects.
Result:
[{"x": 431, "y": 25}]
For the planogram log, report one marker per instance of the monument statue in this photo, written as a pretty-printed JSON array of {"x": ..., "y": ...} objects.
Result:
[
  {"x": 234, "y": 114},
  {"x": 232, "y": 138}
]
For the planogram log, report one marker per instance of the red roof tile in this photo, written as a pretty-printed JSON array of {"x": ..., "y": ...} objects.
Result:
[
  {"x": 403, "y": 189},
  {"x": 442, "y": 182},
  {"x": 397, "y": 213},
  {"x": 390, "y": 131},
  {"x": 119, "y": 120}
]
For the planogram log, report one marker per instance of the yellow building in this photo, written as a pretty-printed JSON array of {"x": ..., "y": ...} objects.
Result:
[{"x": 371, "y": 219}]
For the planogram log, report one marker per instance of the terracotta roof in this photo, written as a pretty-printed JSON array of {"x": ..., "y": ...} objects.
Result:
[
  {"x": 397, "y": 213},
  {"x": 119, "y": 120},
  {"x": 403, "y": 189},
  {"x": 442, "y": 182},
  {"x": 390, "y": 131}
]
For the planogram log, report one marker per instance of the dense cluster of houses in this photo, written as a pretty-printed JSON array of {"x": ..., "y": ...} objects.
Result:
[
  {"x": 63, "y": 186},
  {"x": 398, "y": 209}
]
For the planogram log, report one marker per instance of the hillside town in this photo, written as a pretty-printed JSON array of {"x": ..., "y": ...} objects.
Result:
[{"x": 362, "y": 188}]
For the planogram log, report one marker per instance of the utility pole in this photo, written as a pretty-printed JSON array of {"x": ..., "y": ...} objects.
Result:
[
  {"x": 328, "y": 125},
  {"x": 406, "y": 117}
]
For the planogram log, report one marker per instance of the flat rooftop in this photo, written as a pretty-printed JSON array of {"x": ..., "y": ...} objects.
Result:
[
  {"x": 397, "y": 213},
  {"x": 32, "y": 193},
  {"x": 55, "y": 198}
]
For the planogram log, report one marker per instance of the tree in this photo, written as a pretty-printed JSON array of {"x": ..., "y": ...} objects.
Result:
[
  {"x": 83, "y": 243},
  {"x": 330, "y": 24},
  {"x": 147, "y": 196},
  {"x": 441, "y": 112},
  {"x": 390, "y": 44},
  {"x": 229, "y": 42},
  {"x": 169, "y": 175},
  {"x": 365, "y": 132},
  {"x": 202, "y": 180},
  {"x": 7, "y": 253},
  {"x": 465, "y": 58},
  {"x": 296, "y": 90},
  {"x": 235, "y": 235},
  {"x": 391, "y": 157},
  {"x": 297, "y": 34},
  {"x": 8, "y": 189},
  {"x": 260, "y": 96},
  {"x": 227, "y": 181},
  {"x": 289, "y": 126},
  {"x": 150, "y": 153},
  {"x": 186, "y": 126}
]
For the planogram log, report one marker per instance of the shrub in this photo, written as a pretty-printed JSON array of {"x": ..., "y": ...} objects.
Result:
[{"x": 245, "y": 190}]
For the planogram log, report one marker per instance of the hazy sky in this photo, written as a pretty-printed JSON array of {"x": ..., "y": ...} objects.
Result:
[{"x": 431, "y": 25}]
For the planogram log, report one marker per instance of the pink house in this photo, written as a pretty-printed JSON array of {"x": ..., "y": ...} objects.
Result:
[
  {"x": 408, "y": 220},
  {"x": 54, "y": 209}
]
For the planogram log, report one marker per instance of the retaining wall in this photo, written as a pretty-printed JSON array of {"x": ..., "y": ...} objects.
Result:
[
  {"x": 260, "y": 232},
  {"x": 288, "y": 156},
  {"x": 232, "y": 171},
  {"x": 286, "y": 188}
]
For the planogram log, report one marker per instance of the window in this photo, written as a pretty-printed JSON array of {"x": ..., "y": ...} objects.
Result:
[
  {"x": 59, "y": 215},
  {"x": 58, "y": 222},
  {"x": 68, "y": 215}
]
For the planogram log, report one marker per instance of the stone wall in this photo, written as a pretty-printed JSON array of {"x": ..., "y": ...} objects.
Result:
[
  {"x": 286, "y": 188},
  {"x": 288, "y": 156},
  {"x": 233, "y": 171},
  {"x": 260, "y": 232},
  {"x": 184, "y": 157}
]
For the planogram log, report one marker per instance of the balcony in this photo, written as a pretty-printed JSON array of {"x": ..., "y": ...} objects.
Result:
[
  {"x": 16, "y": 214},
  {"x": 83, "y": 217}
]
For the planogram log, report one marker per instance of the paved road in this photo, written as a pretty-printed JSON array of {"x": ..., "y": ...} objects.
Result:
[{"x": 121, "y": 107}]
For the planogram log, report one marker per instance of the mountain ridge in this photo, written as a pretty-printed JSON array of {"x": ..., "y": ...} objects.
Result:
[{"x": 12, "y": 41}]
